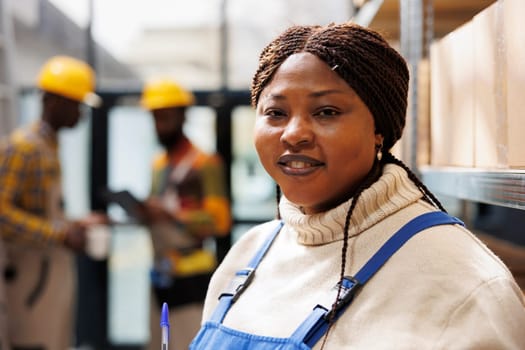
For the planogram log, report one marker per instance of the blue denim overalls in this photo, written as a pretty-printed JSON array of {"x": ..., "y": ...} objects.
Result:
[{"x": 214, "y": 336}]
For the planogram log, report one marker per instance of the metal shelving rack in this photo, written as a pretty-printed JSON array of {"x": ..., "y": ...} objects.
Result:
[
  {"x": 496, "y": 187},
  {"x": 491, "y": 186}
]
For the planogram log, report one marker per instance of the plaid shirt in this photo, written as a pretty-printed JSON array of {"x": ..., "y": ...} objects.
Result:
[{"x": 29, "y": 170}]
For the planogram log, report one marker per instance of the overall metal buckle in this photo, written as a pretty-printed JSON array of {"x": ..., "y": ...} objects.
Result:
[
  {"x": 348, "y": 289},
  {"x": 240, "y": 282}
]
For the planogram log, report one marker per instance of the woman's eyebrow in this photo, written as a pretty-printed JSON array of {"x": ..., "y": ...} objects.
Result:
[
  {"x": 329, "y": 92},
  {"x": 315, "y": 94}
]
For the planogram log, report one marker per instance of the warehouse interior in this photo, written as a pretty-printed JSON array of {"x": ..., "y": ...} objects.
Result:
[{"x": 463, "y": 133}]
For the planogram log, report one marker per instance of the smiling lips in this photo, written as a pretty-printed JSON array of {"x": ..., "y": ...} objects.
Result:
[{"x": 298, "y": 164}]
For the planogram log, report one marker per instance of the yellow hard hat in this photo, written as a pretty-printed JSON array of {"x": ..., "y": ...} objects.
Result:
[
  {"x": 69, "y": 77},
  {"x": 164, "y": 93}
]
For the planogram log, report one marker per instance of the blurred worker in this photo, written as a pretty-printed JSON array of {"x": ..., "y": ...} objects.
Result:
[
  {"x": 40, "y": 274},
  {"x": 188, "y": 203}
]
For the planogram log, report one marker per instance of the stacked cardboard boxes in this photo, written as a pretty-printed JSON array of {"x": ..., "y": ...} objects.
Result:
[{"x": 477, "y": 82}]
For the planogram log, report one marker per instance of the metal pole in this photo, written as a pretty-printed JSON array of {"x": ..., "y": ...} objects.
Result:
[
  {"x": 90, "y": 46},
  {"x": 8, "y": 85},
  {"x": 411, "y": 48},
  {"x": 223, "y": 109},
  {"x": 429, "y": 26},
  {"x": 92, "y": 282},
  {"x": 352, "y": 9},
  {"x": 223, "y": 55}
]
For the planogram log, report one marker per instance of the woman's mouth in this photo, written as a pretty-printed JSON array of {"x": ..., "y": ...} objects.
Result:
[{"x": 298, "y": 164}]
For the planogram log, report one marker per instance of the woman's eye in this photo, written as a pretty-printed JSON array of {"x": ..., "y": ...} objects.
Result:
[
  {"x": 274, "y": 113},
  {"x": 327, "y": 112}
]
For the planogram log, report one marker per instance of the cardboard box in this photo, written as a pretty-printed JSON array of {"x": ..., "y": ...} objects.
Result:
[
  {"x": 461, "y": 123},
  {"x": 514, "y": 41},
  {"x": 489, "y": 102},
  {"x": 452, "y": 99},
  {"x": 439, "y": 101}
]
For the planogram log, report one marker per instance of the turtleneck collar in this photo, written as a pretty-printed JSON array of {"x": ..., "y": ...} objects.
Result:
[{"x": 390, "y": 193}]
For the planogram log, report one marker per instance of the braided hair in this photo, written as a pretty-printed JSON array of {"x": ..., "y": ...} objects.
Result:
[{"x": 373, "y": 69}]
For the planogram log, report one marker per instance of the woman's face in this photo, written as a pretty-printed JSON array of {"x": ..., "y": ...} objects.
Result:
[{"x": 314, "y": 135}]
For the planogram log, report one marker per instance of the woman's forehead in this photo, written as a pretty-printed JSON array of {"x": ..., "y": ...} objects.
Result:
[{"x": 307, "y": 73}]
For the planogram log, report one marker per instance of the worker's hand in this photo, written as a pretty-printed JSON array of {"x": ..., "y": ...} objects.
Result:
[
  {"x": 77, "y": 231},
  {"x": 94, "y": 218},
  {"x": 152, "y": 211},
  {"x": 76, "y": 237}
]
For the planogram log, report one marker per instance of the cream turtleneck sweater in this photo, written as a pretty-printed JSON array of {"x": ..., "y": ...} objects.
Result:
[{"x": 442, "y": 290}]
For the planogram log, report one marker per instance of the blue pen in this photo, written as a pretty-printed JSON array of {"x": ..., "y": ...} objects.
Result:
[{"x": 165, "y": 327}]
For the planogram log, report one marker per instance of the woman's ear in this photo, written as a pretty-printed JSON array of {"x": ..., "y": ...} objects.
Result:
[{"x": 379, "y": 141}]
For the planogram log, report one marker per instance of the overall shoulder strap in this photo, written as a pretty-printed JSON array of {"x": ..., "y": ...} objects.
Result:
[
  {"x": 316, "y": 325},
  {"x": 401, "y": 237},
  {"x": 242, "y": 278}
]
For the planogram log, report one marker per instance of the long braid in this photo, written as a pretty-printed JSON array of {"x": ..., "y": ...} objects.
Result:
[
  {"x": 371, "y": 177},
  {"x": 278, "y": 199},
  {"x": 387, "y": 157},
  {"x": 430, "y": 197}
]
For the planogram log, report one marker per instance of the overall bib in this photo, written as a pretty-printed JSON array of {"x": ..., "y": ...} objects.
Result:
[{"x": 214, "y": 335}]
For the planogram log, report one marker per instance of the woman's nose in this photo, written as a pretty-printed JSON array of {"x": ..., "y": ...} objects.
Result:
[{"x": 298, "y": 132}]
